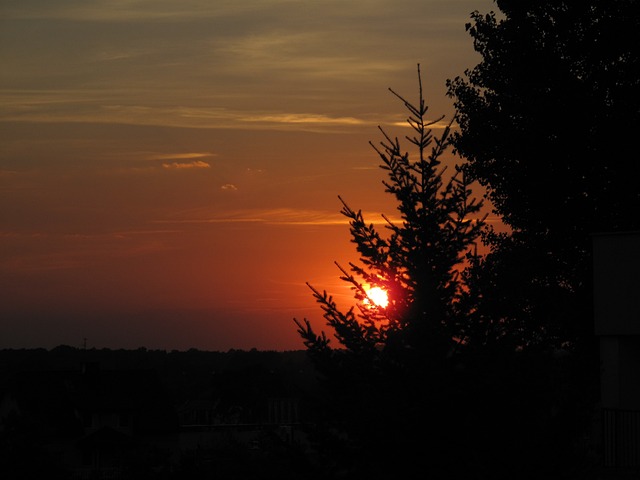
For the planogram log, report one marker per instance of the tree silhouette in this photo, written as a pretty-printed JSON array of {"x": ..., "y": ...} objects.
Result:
[
  {"x": 418, "y": 263},
  {"x": 547, "y": 120},
  {"x": 392, "y": 362}
]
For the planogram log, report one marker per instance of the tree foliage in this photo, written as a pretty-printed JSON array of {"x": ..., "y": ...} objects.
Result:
[
  {"x": 390, "y": 372},
  {"x": 417, "y": 262},
  {"x": 547, "y": 122},
  {"x": 545, "y": 117}
]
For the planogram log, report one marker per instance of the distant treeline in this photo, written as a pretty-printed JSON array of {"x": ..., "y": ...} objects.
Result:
[{"x": 184, "y": 373}]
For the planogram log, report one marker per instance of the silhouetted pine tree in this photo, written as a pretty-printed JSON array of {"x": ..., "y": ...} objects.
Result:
[
  {"x": 418, "y": 263},
  {"x": 391, "y": 372}
]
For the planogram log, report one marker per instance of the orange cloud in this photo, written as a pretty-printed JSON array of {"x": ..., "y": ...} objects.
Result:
[
  {"x": 181, "y": 156},
  {"x": 275, "y": 216},
  {"x": 182, "y": 165}
]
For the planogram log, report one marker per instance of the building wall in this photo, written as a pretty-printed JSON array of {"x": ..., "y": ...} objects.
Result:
[
  {"x": 620, "y": 372},
  {"x": 616, "y": 283},
  {"x": 616, "y": 279}
]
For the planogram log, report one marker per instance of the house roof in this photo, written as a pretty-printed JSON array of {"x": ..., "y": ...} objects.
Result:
[{"x": 61, "y": 398}]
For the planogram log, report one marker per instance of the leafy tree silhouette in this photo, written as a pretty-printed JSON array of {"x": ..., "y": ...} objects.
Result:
[
  {"x": 547, "y": 120},
  {"x": 392, "y": 369}
]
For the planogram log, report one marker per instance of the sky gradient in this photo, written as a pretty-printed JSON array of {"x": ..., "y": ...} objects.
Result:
[{"x": 169, "y": 170}]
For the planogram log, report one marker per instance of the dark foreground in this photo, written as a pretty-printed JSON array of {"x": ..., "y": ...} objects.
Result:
[{"x": 119, "y": 414}]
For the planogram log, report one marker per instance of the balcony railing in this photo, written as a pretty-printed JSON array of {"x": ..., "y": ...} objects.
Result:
[
  {"x": 104, "y": 473},
  {"x": 621, "y": 442}
]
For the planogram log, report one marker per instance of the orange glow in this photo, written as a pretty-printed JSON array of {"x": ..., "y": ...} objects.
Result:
[{"x": 377, "y": 296}]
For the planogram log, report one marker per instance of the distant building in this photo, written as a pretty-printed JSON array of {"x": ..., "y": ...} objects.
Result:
[
  {"x": 92, "y": 423},
  {"x": 617, "y": 324},
  {"x": 243, "y": 407}
]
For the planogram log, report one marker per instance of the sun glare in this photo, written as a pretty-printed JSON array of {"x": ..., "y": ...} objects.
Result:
[{"x": 378, "y": 297}]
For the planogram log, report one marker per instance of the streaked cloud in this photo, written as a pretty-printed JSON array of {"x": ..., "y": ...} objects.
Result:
[
  {"x": 180, "y": 156},
  {"x": 133, "y": 10},
  {"x": 55, "y": 109},
  {"x": 186, "y": 165},
  {"x": 268, "y": 64},
  {"x": 283, "y": 216},
  {"x": 305, "y": 118},
  {"x": 7, "y": 173},
  {"x": 80, "y": 250},
  {"x": 275, "y": 216}
]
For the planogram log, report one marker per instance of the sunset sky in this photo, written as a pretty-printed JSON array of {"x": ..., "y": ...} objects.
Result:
[{"x": 169, "y": 169}]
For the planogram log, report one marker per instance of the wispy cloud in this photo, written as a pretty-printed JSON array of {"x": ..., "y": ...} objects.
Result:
[
  {"x": 275, "y": 216},
  {"x": 186, "y": 165},
  {"x": 223, "y": 64},
  {"x": 7, "y": 173},
  {"x": 176, "y": 12},
  {"x": 42, "y": 108},
  {"x": 305, "y": 118},
  {"x": 180, "y": 156},
  {"x": 282, "y": 216},
  {"x": 56, "y": 109},
  {"x": 76, "y": 250},
  {"x": 129, "y": 11}
]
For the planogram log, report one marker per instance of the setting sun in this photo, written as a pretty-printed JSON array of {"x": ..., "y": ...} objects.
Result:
[{"x": 378, "y": 297}]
